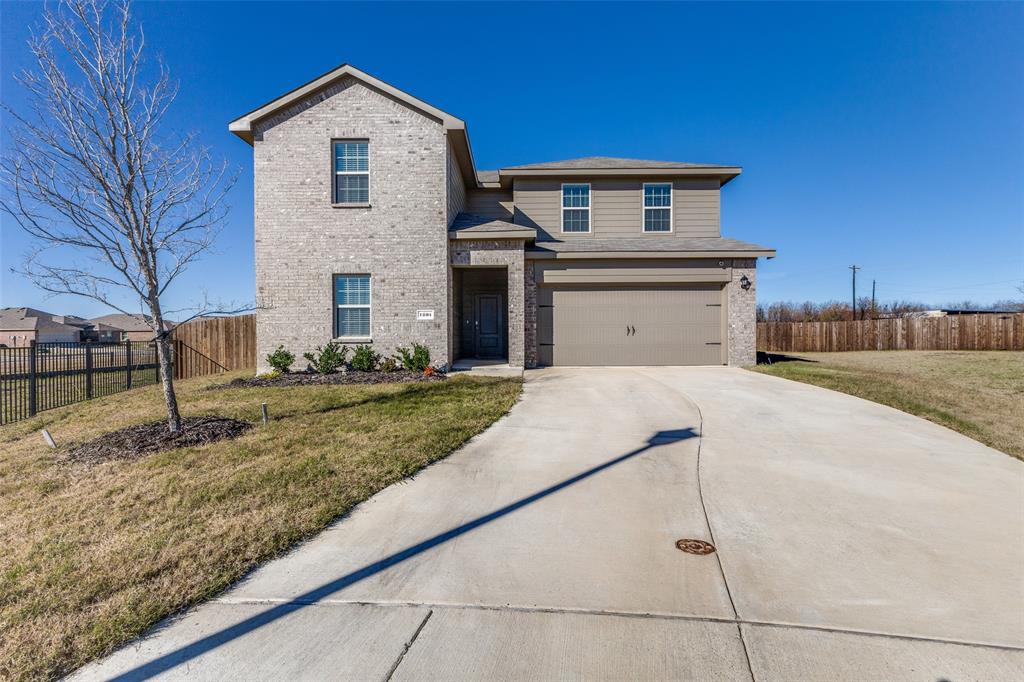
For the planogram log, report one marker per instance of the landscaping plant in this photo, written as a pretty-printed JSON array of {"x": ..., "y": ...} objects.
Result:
[
  {"x": 389, "y": 364},
  {"x": 281, "y": 360},
  {"x": 364, "y": 359},
  {"x": 327, "y": 359},
  {"x": 415, "y": 360}
]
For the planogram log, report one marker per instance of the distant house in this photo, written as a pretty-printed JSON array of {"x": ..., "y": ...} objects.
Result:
[
  {"x": 130, "y": 327},
  {"x": 949, "y": 312},
  {"x": 21, "y": 326}
]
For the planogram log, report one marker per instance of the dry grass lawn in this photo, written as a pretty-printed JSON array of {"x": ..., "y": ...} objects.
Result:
[
  {"x": 978, "y": 393},
  {"x": 94, "y": 555}
]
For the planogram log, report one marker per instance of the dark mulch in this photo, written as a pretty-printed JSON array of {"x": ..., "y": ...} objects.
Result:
[
  {"x": 314, "y": 379},
  {"x": 143, "y": 439}
]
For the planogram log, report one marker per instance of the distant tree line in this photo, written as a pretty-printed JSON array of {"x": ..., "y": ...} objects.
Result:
[{"x": 833, "y": 311}]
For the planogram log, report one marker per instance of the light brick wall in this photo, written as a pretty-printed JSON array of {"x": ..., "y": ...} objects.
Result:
[
  {"x": 742, "y": 322},
  {"x": 302, "y": 241},
  {"x": 500, "y": 252}
]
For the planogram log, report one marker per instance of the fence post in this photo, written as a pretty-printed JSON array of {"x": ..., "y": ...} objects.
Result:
[
  {"x": 88, "y": 371},
  {"x": 32, "y": 378},
  {"x": 128, "y": 364}
]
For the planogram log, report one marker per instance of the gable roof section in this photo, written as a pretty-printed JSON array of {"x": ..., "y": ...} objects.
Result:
[
  {"x": 455, "y": 127},
  {"x": 610, "y": 165},
  {"x": 28, "y": 319},
  {"x": 471, "y": 226},
  {"x": 130, "y": 323}
]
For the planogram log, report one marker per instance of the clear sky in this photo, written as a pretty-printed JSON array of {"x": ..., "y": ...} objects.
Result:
[{"x": 886, "y": 135}]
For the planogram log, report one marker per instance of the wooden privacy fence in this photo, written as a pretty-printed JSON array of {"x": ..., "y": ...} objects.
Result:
[
  {"x": 214, "y": 344},
  {"x": 992, "y": 331}
]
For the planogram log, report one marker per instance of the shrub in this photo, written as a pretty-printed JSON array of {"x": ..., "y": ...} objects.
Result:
[
  {"x": 389, "y": 364},
  {"x": 327, "y": 359},
  {"x": 281, "y": 360},
  {"x": 273, "y": 374},
  {"x": 415, "y": 360},
  {"x": 364, "y": 359}
]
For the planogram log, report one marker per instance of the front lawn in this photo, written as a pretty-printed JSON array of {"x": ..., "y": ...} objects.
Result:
[
  {"x": 978, "y": 393},
  {"x": 93, "y": 555}
]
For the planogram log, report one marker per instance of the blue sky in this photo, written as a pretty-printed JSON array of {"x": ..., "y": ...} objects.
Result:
[{"x": 886, "y": 135}]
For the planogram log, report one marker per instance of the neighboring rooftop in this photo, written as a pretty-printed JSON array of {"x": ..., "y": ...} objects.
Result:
[
  {"x": 130, "y": 323},
  {"x": 27, "y": 319}
]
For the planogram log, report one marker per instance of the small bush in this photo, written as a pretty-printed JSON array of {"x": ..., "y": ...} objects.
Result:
[
  {"x": 327, "y": 359},
  {"x": 281, "y": 360},
  {"x": 415, "y": 360},
  {"x": 273, "y": 374},
  {"x": 364, "y": 359},
  {"x": 389, "y": 364}
]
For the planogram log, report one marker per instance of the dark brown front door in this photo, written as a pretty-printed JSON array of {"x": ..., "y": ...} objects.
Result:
[{"x": 490, "y": 326}]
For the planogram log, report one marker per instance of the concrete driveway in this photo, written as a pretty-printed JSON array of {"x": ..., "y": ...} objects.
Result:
[{"x": 854, "y": 542}]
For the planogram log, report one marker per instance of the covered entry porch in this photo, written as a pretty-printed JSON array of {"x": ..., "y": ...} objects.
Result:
[{"x": 480, "y": 318}]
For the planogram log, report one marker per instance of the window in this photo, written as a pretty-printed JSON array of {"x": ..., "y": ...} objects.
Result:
[
  {"x": 352, "y": 172},
  {"x": 352, "y": 306},
  {"x": 576, "y": 208},
  {"x": 657, "y": 207}
]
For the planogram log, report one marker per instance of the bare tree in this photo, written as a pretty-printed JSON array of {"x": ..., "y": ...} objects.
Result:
[{"x": 115, "y": 205}]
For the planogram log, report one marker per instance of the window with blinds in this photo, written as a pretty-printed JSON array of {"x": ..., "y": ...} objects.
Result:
[
  {"x": 657, "y": 207},
  {"x": 351, "y": 172},
  {"x": 352, "y": 306},
  {"x": 576, "y": 207}
]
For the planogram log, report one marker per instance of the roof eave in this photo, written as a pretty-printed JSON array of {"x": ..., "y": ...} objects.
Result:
[
  {"x": 538, "y": 253},
  {"x": 726, "y": 172}
]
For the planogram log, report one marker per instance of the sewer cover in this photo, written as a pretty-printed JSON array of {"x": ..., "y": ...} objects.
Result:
[{"x": 695, "y": 546}]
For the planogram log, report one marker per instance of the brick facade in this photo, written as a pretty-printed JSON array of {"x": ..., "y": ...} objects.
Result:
[
  {"x": 497, "y": 253},
  {"x": 302, "y": 240},
  {"x": 742, "y": 314},
  {"x": 530, "y": 317}
]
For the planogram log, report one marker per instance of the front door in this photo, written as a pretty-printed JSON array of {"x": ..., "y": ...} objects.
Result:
[{"x": 490, "y": 327}]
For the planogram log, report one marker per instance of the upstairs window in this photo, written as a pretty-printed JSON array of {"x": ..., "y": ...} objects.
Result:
[
  {"x": 351, "y": 172},
  {"x": 576, "y": 208},
  {"x": 657, "y": 207},
  {"x": 352, "y": 306}
]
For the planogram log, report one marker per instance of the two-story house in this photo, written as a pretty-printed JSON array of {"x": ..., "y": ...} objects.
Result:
[{"x": 373, "y": 225}]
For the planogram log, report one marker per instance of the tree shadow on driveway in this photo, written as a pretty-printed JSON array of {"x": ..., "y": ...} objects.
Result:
[{"x": 201, "y": 646}]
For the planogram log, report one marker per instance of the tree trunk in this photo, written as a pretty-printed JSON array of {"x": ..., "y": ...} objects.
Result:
[{"x": 163, "y": 350}]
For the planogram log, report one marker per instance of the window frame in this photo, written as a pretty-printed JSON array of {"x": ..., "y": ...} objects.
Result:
[
  {"x": 335, "y": 173},
  {"x": 671, "y": 208},
  {"x": 562, "y": 208},
  {"x": 337, "y": 306}
]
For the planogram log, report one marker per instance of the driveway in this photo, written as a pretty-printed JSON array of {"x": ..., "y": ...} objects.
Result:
[{"x": 853, "y": 542}]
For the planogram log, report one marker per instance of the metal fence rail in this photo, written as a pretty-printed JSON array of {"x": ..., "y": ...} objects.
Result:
[{"x": 43, "y": 376}]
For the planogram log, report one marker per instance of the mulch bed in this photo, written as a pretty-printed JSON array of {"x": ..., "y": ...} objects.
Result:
[
  {"x": 314, "y": 379},
  {"x": 144, "y": 439}
]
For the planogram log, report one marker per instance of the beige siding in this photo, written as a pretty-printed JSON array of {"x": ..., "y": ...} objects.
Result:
[
  {"x": 616, "y": 207},
  {"x": 455, "y": 187},
  {"x": 490, "y": 203}
]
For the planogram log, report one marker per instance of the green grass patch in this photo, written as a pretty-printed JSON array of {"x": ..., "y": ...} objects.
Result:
[{"x": 95, "y": 555}]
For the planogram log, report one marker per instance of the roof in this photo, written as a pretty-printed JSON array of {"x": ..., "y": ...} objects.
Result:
[
  {"x": 610, "y": 162},
  {"x": 455, "y": 127},
  {"x": 130, "y": 323},
  {"x": 29, "y": 319},
  {"x": 470, "y": 226},
  {"x": 658, "y": 246}
]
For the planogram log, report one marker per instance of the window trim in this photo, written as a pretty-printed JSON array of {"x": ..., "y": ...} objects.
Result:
[
  {"x": 671, "y": 208},
  {"x": 336, "y": 306},
  {"x": 562, "y": 208},
  {"x": 335, "y": 173}
]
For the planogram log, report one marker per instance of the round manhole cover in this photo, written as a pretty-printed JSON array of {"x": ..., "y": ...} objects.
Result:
[{"x": 695, "y": 546}]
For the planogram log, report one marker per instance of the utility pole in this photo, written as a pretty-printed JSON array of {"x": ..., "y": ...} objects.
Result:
[
  {"x": 873, "y": 313},
  {"x": 853, "y": 309}
]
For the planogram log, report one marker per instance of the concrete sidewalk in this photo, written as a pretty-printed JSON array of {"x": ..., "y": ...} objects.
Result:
[{"x": 854, "y": 542}]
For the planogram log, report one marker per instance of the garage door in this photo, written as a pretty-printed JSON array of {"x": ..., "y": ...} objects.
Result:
[{"x": 621, "y": 325}]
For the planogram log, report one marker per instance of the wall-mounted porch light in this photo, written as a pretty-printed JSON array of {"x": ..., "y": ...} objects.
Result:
[{"x": 745, "y": 282}]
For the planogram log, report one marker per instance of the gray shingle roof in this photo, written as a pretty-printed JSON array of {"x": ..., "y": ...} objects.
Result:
[
  {"x": 469, "y": 222},
  {"x": 650, "y": 243},
  {"x": 130, "y": 323},
  {"x": 609, "y": 162},
  {"x": 27, "y": 319}
]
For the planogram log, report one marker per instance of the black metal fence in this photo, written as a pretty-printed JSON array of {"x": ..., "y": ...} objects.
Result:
[{"x": 43, "y": 376}]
